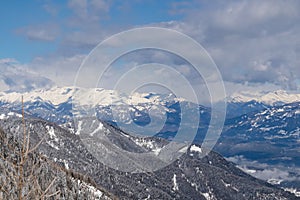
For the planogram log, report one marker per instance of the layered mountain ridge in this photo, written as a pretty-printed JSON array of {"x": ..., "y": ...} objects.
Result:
[
  {"x": 190, "y": 177},
  {"x": 260, "y": 136}
]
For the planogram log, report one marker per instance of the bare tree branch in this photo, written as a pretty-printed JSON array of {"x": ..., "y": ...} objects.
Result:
[
  {"x": 37, "y": 145},
  {"x": 48, "y": 188},
  {"x": 53, "y": 194}
]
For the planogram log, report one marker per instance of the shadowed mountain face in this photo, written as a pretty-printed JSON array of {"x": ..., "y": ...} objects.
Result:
[
  {"x": 274, "y": 131},
  {"x": 266, "y": 142},
  {"x": 189, "y": 177}
]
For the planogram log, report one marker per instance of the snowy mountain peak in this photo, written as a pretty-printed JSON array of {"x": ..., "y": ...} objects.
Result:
[
  {"x": 269, "y": 98},
  {"x": 91, "y": 97}
]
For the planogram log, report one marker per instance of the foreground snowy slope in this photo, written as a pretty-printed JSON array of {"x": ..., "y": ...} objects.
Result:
[{"x": 190, "y": 177}]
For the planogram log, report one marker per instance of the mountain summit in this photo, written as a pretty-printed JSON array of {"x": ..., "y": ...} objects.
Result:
[{"x": 270, "y": 98}]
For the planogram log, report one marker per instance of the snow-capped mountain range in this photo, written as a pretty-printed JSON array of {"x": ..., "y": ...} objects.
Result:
[
  {"x": 61, "y": 104},
  {"x": 57, "y": 104},
  {"x": 93, "y": 97},
  {"x": 268, "y": 98},
  {"x": 99, "y": 96},
  {"x": 261, "y": 127}
]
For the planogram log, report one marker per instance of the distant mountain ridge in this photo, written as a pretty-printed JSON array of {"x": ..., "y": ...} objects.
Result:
[
  {"x": 93, "y": 96},
  {"x": 278, "y": 97},
  {"x": 57, "y": 95},
  {"x": 57, "y": 105}
]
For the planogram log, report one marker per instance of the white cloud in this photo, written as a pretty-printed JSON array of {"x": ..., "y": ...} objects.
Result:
[
  {"x": 84, "y": 29},
  {"x": 17, "y": 77},
  {"x": 103, "y": 5},
  {"x": 62, "y": 70},
  {"x": 51, "y": 8},
  {"x": 8, "y": 61},
  {"x": 253, "y": 43},
  {"x": 258, "y": 66},
  {"x": 44, "y": 32},
  {"x": 266, "y": 171},
  {"x": 88, "y": 12},
  {"x": 3, "y": 86},
  {"x": 79, "y": 7},
  {"x": 242, "y": 15},
  {"x": 250, "y": 41}
]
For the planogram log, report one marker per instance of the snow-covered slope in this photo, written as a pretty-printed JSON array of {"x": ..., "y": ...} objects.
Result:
[
  {"x": 270, "y": 98},
  {"x": 41, "y": 173},
  {"x": 269, "y": 140},
  {"x": 189, "y": 177}
]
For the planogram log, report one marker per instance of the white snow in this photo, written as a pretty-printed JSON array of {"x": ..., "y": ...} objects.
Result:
[
  {"x": 52, "y": 145},
  {"x": 206, "y": 195},
  {"x": 78, "y": 128},
  {"x": 195, "y": 148},
  {"x": 66, "y": 164},
  {"x": 144, "y": 143},
  {"x": 82, "y": 97},
  {"x": 96, "y": 192},
  {"x": 268, "y": 98},
  {"x": 53, "y": 137},
  {"x": 249, "y": 171},
  {"x": 280, "y": 110},
  {"x": 156, "y": 151},
  {"x": 2, "y": 116},
  {"x": 51, "y": 133},
  {"x": 274, "y": 181},
  {"x": 282, "y": 132},
  {"x": 55, "y": 95},
  {"x": 294, "y": 191},
  {"x": 183, "y": 150},
  {"x": 175, "y": 185},
  {"x": 99, "y": 128},
  {"x": 226, "y": 184},
  {"x": 14, "y": 114}
]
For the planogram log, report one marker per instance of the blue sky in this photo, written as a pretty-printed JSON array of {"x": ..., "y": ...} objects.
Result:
[
  {"x": 255, "y": 43},
  {"x": 18, "y": 17},
  {"x": 15, "y": 15}
]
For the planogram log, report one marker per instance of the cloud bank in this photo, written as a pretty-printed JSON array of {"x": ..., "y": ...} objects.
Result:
[{"x": 254, "y": 43}]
